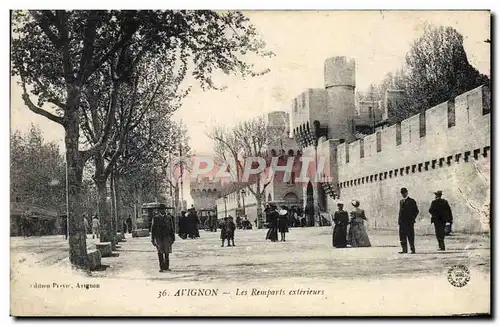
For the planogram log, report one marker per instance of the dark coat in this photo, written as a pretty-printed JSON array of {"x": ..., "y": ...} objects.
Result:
[
  {"x": 440, "y": 211},
  {"x": 163, "y": 232},
  {"x": 223, "y": 230},
  {"x": 408, "y": 211},
  {"x": 272, "y": 233},
  {"x": 230, "y": 228},
  {"x": 339, "y": 238},
  {"x": 273, "y": 219}
]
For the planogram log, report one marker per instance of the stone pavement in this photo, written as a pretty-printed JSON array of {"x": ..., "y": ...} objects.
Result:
[
  {"x": 345, "y": 282},
  {"x": 307, "y": 253}
]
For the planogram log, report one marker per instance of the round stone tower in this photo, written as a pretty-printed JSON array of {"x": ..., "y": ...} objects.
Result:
[
  {"x": 279, "y": 119},
  {"x": 340, "y": 84}
]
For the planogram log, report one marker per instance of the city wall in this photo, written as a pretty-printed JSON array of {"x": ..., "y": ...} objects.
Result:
[{"x": 446, "y": 148}]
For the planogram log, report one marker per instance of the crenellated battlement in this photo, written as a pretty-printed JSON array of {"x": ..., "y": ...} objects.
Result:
[{"x": 458, "y": 126}]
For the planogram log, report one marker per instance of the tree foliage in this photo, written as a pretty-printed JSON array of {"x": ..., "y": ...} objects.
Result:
[
  {"x": 59, "y": 55},
  {"x": 248, "y": 139},
  {"x": 37, "y": 171},
  {"x": 149, "y": 157},
  {"x": 53, "y": 48},
  {"x": 436, "y": 70}
]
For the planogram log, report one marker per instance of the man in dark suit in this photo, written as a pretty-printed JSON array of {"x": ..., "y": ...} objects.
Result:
[
  {"x": 408, "y": 212},
  {"x": 162, "y": 237},
  {"x": 441, "y": 214}
]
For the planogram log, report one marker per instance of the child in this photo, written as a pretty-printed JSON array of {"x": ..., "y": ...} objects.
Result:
[
  {"x": 223, "y": 231},
  {"x": 231, "y": 227}
]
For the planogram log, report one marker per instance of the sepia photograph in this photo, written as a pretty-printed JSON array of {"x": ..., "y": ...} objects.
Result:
[{"x": 252, "y": 163}]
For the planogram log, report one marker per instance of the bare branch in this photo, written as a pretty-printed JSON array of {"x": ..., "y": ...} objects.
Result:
[
  {"x": 88, "y": 45},
  {"x": 87, "y": 127},
  {"x": 38, "y": 110},
  {"x": 50, "y": 97},
  {"x": 109, "y": 123},
  {"x": 98, "y": 62}
]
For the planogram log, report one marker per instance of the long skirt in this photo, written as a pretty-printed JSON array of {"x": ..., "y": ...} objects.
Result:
[
  {"x": 164, "y": 245},
  {"x": 358, "y": 236},
  {"x": 339, "y": 237},
  {"x": 272, "y": 234}
]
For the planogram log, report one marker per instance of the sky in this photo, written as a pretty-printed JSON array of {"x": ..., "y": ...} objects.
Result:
[{"x": 301, "y": 41}]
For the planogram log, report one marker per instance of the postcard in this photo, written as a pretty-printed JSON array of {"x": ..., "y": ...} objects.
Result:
[{"x": 250, "y": 163}]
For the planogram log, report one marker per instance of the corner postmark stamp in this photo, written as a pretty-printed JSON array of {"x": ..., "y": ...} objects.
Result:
[{"x": 458, "y": 275}]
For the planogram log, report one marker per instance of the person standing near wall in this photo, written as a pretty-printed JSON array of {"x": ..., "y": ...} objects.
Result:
[
  {"x": 310, "y": 213},
  {"x": 441, "y": 215},
  {"x": 95, "y": 227},
  {"x": 129, "y": 224},
  {"x": 86, "y": 224},
  {"x": 341, "y": 221},
  {"x": 408, "y": 212}
]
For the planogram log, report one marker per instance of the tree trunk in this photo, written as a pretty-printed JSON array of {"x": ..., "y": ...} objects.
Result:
[
  {"x": 112, "y": 185},
  {"x": 136, "y": 208},
  {"x": 238, "y": 199},
  {"x": 260, "y": 220},
  {"x": 74, "y": 172},
  {"x": 105, "y": 219},
  {"x": 118, "y": 203}
]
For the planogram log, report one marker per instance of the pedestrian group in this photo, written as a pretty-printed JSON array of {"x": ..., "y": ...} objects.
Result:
[
  {"x": 441, "y": 217},
  {"x": 349, "y": 228}
]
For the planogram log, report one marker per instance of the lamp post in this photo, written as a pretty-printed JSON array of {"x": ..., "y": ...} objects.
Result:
[
  {"x": 225, "y": 206},
  {"x": 243, "y": 193},
  {"x": 155, "y": 170}
]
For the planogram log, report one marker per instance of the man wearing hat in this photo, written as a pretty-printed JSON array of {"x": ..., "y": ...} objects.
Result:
[
  {"x": 163, "y": 237},
  {"x": 440, "y": 215},
  {"x": 408, "y": 212}
]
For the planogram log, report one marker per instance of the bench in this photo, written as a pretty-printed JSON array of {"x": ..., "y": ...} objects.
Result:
[
  {"x": 140, "y": 233},
  {"x": 94, "y": 257},
  {"x": 105, "y": 248}
]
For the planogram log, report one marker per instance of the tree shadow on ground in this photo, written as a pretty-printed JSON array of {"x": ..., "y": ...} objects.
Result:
[
  {"x": 101, "y": 268},
  {"x": 438, "y": 252}
]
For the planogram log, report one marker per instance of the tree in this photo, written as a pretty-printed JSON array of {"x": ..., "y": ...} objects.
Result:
[
  {"x": 150, "y": 153},
  {"x": 151, "y": 90},
  {"x": 437, "y": 69},
  {"x": 391, "y": 81},
  {"x": 56, "y": 53},
  {"x": 249, "y": 139},
  {"x": 226, "y": 148},
  {"x": 37, "y": 171}
]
